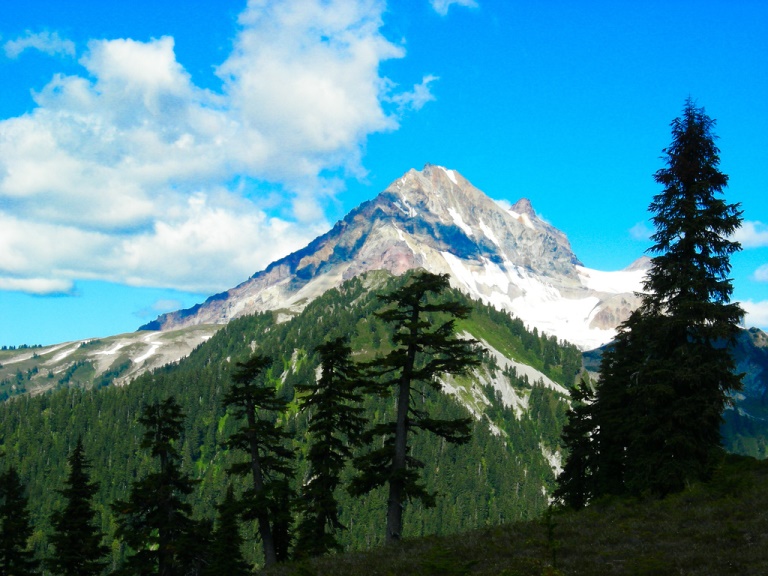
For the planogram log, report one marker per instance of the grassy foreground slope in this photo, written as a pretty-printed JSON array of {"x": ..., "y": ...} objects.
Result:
[{"x": 712, "y": 529}]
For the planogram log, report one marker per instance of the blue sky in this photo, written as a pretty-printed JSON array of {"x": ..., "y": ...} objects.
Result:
[{"x": 154, "y": 153}]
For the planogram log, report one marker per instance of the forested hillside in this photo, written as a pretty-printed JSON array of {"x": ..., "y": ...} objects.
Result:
[{"x": 505, "y": 473}]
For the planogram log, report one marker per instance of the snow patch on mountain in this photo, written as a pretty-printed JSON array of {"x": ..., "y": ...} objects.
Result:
[
  {"x": 614, "y": 282},
  {"x": 489, "y": 233},
  {"x": 460, "y": 222},
  {"x": 523, "y": 218},
  {"x": 451, "y": 175}
]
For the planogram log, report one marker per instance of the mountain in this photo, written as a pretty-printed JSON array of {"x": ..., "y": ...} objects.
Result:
[
  {"x": 435, "y": 219},
  {"x": 95, "y": 362}
]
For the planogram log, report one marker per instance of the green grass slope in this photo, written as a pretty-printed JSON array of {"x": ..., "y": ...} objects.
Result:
[{"x": 711, "y": 529}]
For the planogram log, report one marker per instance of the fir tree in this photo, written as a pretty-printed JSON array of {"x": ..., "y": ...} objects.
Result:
[
  {"x": 335, "y": 426},
  {"x": 226, "y": 556},
  {"x": 575, "y": 481},
  {"x": 16, "y": 559},
  {"x": 425, "y": 347},
  {"x": 667, "y": 379},
  {"x": 76, "y": 538},
  {"x": 687, "y": 300},
  {"x": 268, "y": 501},
  {"x": 155, "y": 520}
]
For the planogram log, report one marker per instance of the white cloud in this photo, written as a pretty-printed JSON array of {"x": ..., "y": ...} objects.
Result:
[
  {"x": 752, "y": 234},
  {"x": 442, "y": 6},
  {"x": 38, "y": 286},
  {"x": 641, "y": 231},
  {"x": 124, "y": 172},
  {"x": 756, "y": 313},
  {"x": 47, "y": 42},
  {"x": 418, "y": 97},
  {"x": 761, "y": 274}
]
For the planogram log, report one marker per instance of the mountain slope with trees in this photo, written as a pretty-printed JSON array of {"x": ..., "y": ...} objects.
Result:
[{"x": 516, "y": 399}]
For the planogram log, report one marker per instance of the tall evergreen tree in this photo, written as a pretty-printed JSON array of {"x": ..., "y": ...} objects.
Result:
[
  {"x": 575, "y": 481},
  {"x": 667, "y": 379},
  {"x": 257, "y": 405},
  {"x": 16, "y": 559},
  {"x": 425, "y": 347},
  {"x": 226, "y": 556},
  {"x": 156, "y": 521},
  {"x": 687, "y": 300},
  {"x": 334, "y": 428},
  {"x": 77, "y": 540}
]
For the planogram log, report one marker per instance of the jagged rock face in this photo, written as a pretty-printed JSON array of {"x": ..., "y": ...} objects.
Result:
[{"x": 435, "y": 219}]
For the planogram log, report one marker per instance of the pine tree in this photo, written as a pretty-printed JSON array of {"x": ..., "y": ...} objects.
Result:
[
  {"x": 16, "y": 559},
  {"x": 226, "y": 557},
  {"x": 76, "y": 538},
  {"x": 575, "y": 487},
  {"x": 425, "y": 347},
  {"x": 268, "y": 501},
  {"x": 335, "y": 426},
  {"x": 687, "y": 299},
  {"x": 156, "y": 521},
  {"x": 667, "y": 379}
]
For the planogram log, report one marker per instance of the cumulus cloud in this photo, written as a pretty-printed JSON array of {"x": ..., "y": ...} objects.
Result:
[
  {"x": 752, "y": 234},
  {"x": 756, "y": 313},
  {"x": 131, "y": 173},
  {"x": 48, "y": 42},
  {"x": 442, "y": 6}
]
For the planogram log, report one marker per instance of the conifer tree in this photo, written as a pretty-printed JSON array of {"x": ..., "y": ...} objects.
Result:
[
  {"x": 16, "y": 559},
  {"x": 226, "y": 556},
  {"x": 334, "y": 428},
  {"x": 688, "y": 365},
  {"x": 667, "y": 379},
  {"x": 257, "y": 405},
  {"x": 575, "y": 481},
  {"x": 425, "y": 347},
  {"x": 76, "y": 538},
  {"x": 156, "y": 520}
]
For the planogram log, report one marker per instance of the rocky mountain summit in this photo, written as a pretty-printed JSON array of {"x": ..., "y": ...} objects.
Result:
[{"x": 437, "y": 220}]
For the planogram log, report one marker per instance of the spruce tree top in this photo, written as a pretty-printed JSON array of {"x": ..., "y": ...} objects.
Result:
[{"x": 688, "y": 278}]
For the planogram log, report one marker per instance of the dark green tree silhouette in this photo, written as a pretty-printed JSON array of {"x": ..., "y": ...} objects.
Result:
[
  {"x": 667, "y": 379},
  {"x": 156, "y": 520},
  {"x": 16, "y": 559},
  {"x": 77, "y": 540},
  {"x": 424, "y": 347},
  {"x": 269, "y": 500},
  {"x": 575, "y": 487},
  {"x": 687, "y": 300},
  {"x": 226, "y": 557},
  {"x": 334, "y": 428}
]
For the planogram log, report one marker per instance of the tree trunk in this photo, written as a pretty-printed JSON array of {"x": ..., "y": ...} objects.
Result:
[
  {"x": 262, "y": 517},
  {"x": 397, "y": 482}
]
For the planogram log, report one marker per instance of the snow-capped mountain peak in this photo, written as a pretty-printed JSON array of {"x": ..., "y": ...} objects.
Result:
[{"x": 435, "y": 219}]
